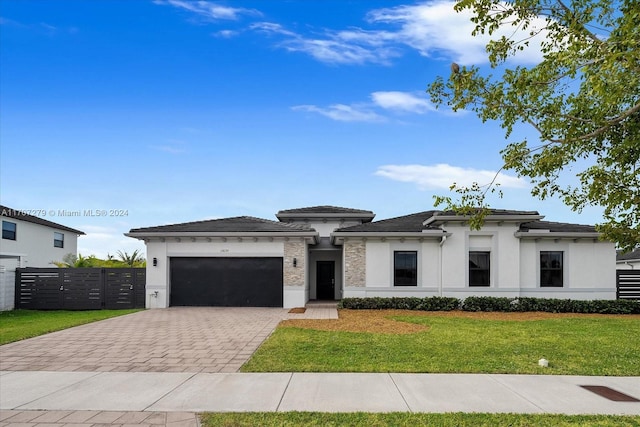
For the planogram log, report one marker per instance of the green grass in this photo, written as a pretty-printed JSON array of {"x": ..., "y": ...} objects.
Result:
[
  {"x": 17, "y": 325},
  {"x": 411, "y": 419},
  {"x": 573, "y": 346}
]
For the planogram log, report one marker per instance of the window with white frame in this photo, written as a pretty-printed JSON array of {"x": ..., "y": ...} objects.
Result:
[
  {"x": 9, "y": 230},
  {"x": 58, "y": 240}
]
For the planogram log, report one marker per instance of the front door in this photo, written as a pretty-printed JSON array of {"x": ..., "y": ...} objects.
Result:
[{"x": 325, "y": 280}]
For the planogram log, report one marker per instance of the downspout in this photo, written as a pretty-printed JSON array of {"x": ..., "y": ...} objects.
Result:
[{"x": 442, "y": 240}]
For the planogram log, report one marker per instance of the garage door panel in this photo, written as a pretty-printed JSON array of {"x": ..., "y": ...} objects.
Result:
[{"x": 226, "y": 282}]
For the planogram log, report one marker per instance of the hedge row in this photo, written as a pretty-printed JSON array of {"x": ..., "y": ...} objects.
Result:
[
  {"x": 494, "y": 304},
  {"x": 402, "y": 303}
]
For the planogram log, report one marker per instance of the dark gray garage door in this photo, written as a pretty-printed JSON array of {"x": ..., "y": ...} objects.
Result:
[{"x": 226, "y": 282}]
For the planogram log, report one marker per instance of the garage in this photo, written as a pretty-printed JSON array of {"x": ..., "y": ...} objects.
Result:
[{"x": 226, "y": 281}]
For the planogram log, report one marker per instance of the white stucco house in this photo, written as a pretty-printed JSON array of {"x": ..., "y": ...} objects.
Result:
[
  {"x": 628, "y": 261},
  {"x": 30, "y": 241},
  {"x": 329, "y": 253}
]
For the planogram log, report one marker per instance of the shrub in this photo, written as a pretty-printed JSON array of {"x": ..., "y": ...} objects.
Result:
[
  {"x": 501, "y": 304},
  {"x": 401, "y": 303},
  {"x": 551, "y": 305},
  {"x": 487, "y": 304}
]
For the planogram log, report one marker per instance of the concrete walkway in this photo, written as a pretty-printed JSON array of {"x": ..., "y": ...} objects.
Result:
[
  {"x": 186, "y": 393},
  {"x": 97, "y": 419}
]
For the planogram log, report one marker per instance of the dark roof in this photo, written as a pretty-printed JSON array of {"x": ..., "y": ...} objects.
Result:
[
  {"x": 18, "y": 214},
  {"x": 440, "y": 217},
  {"x": 324, "y": 210},
  {"x": 635, "y": 254},
  {"x": 495, "y": 212},
  {"x": 557, "y": 227},
  {"x": 406, "y": 223},
  {"x": 235, "y": 224},
  {"x": 413, "y": 223}
]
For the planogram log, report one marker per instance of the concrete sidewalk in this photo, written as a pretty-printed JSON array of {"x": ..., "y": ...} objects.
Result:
[{"x": 186, "y": 393}]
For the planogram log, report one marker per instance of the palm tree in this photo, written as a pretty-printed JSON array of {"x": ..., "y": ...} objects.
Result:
[
  {"x": 73, "y": 261},
  {"x": 133, "y": 259}
]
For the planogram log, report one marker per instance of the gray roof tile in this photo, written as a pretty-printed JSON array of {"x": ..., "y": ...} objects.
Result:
[
  {"x": 557, "y": 227},
  {"x": 406, "y": 223},
  {"x": 635, "y": 254},
  {"x": 495, "y": 212},
  {"x": 235, "y": 224},
  {"x": 413, "y": 223}
]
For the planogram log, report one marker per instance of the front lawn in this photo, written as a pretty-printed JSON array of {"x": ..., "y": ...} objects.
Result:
[
  {"x": 322, "y": 419},
  {"x": 454, "y": 342},
  {"x": 17, "y": 325}
]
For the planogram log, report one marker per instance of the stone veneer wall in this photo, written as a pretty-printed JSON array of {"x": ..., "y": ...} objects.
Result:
[
  {"x": 294, "y": 276},
  {"x": 355, "y": 254}
]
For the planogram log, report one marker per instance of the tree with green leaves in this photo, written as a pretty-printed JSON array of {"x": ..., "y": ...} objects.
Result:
[
  {"x": 582, "y": 99},
  {"x": 135, "y": 259},
  {"x": 72, "y": 261}
]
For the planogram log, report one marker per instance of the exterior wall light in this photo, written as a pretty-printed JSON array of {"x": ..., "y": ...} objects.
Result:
[
  {"x": 155, "y": 262},
  {"x": 295, "y": 262}
]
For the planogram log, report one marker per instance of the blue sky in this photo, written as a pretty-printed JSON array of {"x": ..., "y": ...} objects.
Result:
[{"x": 179, "y": 111}]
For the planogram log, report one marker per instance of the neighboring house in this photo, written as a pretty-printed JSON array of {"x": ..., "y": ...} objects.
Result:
[
  {"x": 328, "y": 252},
  {"x": 29, "y": 241},
  {"x": 628, "y": 261}
]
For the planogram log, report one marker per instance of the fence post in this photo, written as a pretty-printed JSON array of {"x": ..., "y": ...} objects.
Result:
[
  {"x": 103, "y": 288},
  {"x": 16, "y": 289}
]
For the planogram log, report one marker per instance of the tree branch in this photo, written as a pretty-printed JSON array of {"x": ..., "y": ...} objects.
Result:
[{"x": 588, "y": 33}]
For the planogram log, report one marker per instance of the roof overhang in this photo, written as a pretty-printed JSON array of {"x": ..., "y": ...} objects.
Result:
[
  {"x": 338, "y": 237},
  {"x": 441, "y": 219},
  {"x": 311, "y": 236},
  {"x": 553, "y": 235}
]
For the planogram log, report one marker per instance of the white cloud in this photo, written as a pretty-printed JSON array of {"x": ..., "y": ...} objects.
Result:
[
  {"x": 342, "y": 112},
  {"x": 41, "y": 27},
  {"x": 436, "y": 29},
  {"x": 271, "y": 28},
  {"x": 396, "y": 101},
  {"x": 336, "y": 51},
  {"x": 49, "y": 28},
  {"x": 442, "y": 175},
  {"x": 226, "y": 34},
  {"x": 210, "y": 10},
  {"x": 344, "y": 47},
  {"x": 173, "y": 146},
  {"x": 402, "y": 101},
  {"x": 433, "y": 28}
]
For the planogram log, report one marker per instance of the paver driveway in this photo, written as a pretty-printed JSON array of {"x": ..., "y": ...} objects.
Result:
[{"x": 178, "y": 339}]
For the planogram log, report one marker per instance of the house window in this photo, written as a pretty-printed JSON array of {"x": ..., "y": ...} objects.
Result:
[
  {"x": 405, "y": 268},
  {"x": 551, "y": 269},
  {"x": 479, "y": 268},
  {"x": 8, "y": 230},
  {"x": 58, "y": 240}
]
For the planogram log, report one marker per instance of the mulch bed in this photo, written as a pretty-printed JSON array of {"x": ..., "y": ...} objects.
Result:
[
  {"x": 379, "y": 321},
  {"x": 297, "y": 310}
]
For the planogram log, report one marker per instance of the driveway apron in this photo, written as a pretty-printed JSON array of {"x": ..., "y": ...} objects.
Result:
[{"x": 177, "y": 339}]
